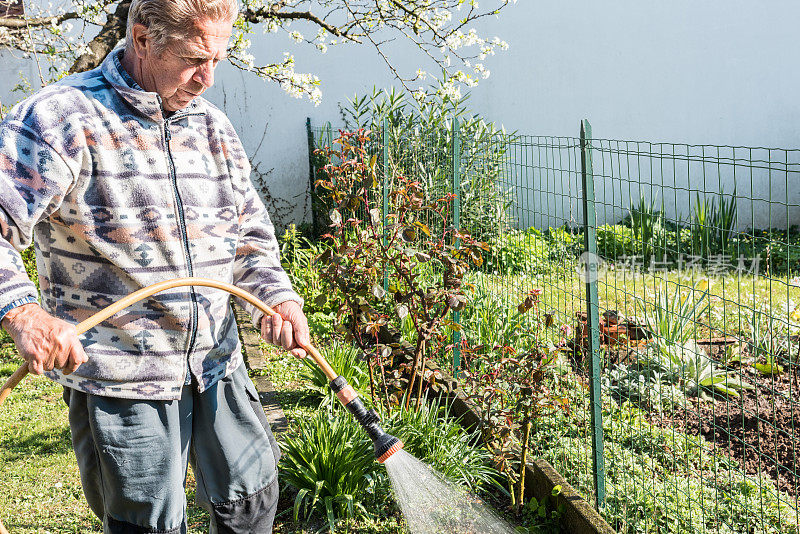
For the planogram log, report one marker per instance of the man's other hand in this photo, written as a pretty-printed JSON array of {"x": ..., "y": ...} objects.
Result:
[
  {"x": 44, "y": 341},
  {"x": 288, "y": 328}
]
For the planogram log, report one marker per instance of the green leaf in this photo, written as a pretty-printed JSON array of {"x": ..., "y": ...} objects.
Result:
[
  {"x": 298, "y": 501},
  {"x": 329, "y": 513},
  {"x": 423, "y": 228},
  {"x": 409, "y": 234},
  {"x": 769, "y": 368}
]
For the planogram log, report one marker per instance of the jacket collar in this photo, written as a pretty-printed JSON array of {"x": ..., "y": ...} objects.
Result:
[{"x": 145, "y": 102}]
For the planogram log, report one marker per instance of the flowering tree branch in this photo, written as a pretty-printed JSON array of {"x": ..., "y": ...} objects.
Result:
[{"x": 441, "y": 29}]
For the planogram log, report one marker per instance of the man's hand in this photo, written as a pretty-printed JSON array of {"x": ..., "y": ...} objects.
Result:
[
  {"x": 288, "y": 328},
  {"x": 44, "y": 341}
]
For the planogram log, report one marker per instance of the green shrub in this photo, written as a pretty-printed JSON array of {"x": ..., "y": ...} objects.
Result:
[
  {"x": 29, "y": 260},
  {"x": 420, "y": 147},
  {"x": 330, "y": 461},
  {"x": 510, "y": 253},
  {"x": 615, "y": 241},
  {"x": 563, "y": 244},
  {"x": 344, "y": 358},
  {"x": 491, "y": 322},
  {"x": 299, "y": 260},
  {"x": 713, "y": 225},
  {"x": 649, "y": 227}
]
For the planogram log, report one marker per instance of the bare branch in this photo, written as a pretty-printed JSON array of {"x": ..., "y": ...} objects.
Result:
[
  {"x": 18, "y": 23},
  {"x": 274, "y": 12}
]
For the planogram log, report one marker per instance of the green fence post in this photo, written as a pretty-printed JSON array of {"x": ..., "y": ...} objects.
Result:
[
  {"x": 312, "y": 175},
  {"x": 456, "y": 338},
  {"x": 385, "y": 173},
  {"x": 590, "y": 272},
  {"x": 329, "y": 129}
]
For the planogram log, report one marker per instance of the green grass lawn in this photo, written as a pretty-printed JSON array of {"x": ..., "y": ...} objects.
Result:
[
  {"x": 40, "y": 487},
  {"x": 731, "y": 297}
]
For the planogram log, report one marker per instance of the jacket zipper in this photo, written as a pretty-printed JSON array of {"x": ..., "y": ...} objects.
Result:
[{"x": 185, "y": 239}]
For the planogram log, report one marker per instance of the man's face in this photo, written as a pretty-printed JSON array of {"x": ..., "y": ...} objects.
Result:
[{"x": 185, "y": 68}]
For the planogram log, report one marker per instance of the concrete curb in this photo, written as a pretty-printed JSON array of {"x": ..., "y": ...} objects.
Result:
[{"x": 254, "y": 360}]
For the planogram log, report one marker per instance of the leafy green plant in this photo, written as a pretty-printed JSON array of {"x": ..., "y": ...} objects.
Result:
[
  {"x": 615, "y": 241},
  {"x": 769, "y": 341},
  {"x": 673, "y": 317},
  {"x": 366, "y": 247},
  {"x": 696, "y": 371},
  {"x": 420, "y": 147},
  {"x": 531, "y": 251},
  {"x": 543, "y": 516},
  {"x": 299, "y": 260},
  {"x": 644, "y": 385},
  {"x": 713, "y": 225},
  {"x": 344, "y": 358},
  {"x": 330, "y": 462},
  {"x": 29, "y": 260},
  {"x": 674, "y": 353},
  {"x": 509, "y": 253},
  {"x": 647, "y": 222},
  {"x": 489, "y": 325}
]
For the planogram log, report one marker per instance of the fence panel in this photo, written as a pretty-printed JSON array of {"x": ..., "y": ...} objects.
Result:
[{"x": 695, "y": 367}]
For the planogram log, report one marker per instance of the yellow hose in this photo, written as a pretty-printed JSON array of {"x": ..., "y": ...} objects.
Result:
[{"x": 148, "y": 291}]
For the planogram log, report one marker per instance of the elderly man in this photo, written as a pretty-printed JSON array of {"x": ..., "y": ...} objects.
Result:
[{"x": 124, "y": 176}]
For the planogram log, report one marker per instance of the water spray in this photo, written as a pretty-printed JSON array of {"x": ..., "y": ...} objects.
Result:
[{"x": 385, "y": 444}]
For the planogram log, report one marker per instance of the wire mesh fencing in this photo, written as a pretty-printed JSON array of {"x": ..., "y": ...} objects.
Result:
[{"x": 669, "y": 279}]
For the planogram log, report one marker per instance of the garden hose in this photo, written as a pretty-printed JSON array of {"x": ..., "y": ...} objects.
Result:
[{"x": 385, "y": 444}]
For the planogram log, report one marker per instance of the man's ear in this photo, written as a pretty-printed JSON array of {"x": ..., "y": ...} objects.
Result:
[{"x": 141, "y": 42}]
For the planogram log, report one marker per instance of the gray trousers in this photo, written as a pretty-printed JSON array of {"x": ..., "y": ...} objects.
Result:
[{"x": 133, "y": 456}]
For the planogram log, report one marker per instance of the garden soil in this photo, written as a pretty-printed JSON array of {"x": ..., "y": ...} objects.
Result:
[{"x": 761, "y": 430}]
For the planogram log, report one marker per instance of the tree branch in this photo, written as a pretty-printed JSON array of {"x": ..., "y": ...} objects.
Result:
[
  {"x": 274, "y": 12},
  {"x": 17, "y": 23},
  {"x": 105, "y": 41}
]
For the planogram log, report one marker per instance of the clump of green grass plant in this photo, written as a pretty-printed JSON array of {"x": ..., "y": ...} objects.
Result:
[
  {"x": 329, "y": 461},
  {"x": 344, "y": 358},
  {"x": 432, "y": 435},
  {"x": 673, "y": 355}
]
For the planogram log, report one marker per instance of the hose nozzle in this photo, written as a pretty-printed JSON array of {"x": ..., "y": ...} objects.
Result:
[{"x": 385, "y": 444}]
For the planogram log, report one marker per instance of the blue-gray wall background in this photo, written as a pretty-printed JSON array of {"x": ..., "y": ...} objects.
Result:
[{"x": 719, "y": 71}]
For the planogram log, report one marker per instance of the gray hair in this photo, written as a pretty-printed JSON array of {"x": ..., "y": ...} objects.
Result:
[{"x": 171, "y": 20}]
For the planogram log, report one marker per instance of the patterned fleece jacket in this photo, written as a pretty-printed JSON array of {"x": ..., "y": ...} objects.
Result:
[{"x": 116, "y": 196}]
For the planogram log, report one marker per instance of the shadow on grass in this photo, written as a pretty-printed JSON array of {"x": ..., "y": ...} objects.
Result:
[
  {"x": 295, "y": 397},
  {"x": 38, "y": 443}
]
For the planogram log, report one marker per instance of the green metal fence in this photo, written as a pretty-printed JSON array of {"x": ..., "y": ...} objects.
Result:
[{"x": 671, "y": 274}]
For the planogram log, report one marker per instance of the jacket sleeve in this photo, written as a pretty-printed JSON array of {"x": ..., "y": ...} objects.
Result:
[
  {"x": 33, "y": 181},
  {"x": 257, "y": 267}
]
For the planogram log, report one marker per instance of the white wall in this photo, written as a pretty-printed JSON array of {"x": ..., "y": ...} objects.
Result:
[{"x": 719, "y": 71}]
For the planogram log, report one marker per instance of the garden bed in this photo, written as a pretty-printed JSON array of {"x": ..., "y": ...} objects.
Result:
[{"x": 757, "y": 430}]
